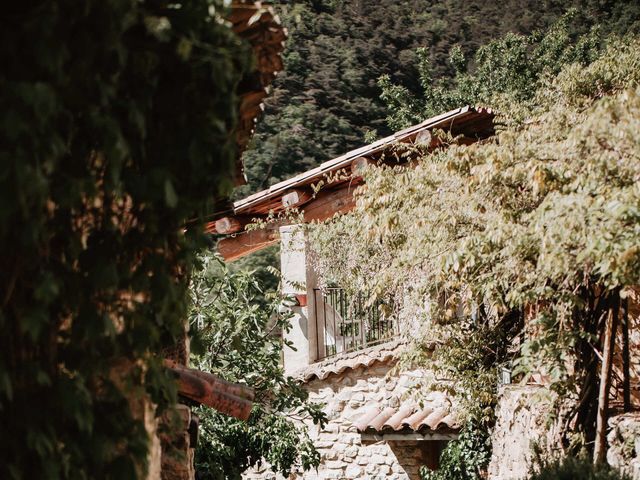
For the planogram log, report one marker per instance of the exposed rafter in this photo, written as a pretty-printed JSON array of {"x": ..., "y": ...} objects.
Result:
[{"x": 339, "y": 178}]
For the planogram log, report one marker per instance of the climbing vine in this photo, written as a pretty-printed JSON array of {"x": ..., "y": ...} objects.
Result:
[
  {"x": 530, "y": 238},
  {"x": 117, "y": 131}
]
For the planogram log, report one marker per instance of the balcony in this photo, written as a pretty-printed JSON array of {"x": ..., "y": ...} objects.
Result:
[{"x": 345, "y": 324}]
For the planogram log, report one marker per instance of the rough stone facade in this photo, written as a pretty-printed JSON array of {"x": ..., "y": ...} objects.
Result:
[
  {"x": 624, "y": 444},
  {"x": 346, "y": 454},
  {"x": 522, "y": 421}
]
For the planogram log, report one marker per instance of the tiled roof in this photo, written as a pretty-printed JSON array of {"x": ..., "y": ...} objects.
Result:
[
  {"x": 436, "y": 413},
  {"x": 469, "y": 120},
  {"x": 361, "y": 358}
]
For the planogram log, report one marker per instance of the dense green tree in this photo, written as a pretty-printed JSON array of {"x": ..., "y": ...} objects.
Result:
[
  {"x": 117, "y": 122},
  {"x": 238, "y": 334},
  {"x": 511, "y": 68}
]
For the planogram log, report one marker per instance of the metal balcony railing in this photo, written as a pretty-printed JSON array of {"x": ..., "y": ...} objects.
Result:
[{"x": 344, "y": 324}]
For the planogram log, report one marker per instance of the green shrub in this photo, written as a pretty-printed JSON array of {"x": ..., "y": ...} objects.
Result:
[{"x": 572, "y": 468}]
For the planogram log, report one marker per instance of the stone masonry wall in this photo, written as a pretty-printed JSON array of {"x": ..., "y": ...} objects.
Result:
[
  {"x": 624, "y": 444},
  {"x": 344, "y": 454},
  {"x": 521, "y": 421}
]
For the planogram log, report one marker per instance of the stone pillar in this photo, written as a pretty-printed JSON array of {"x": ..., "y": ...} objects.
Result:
[{"x": 297, "y": 282}]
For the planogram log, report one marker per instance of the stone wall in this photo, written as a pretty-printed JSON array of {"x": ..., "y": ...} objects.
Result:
[
  {"x": 624, "y": 444},
  {"x": 345, "y": 455},
  {"x": 522, "y": 421}
]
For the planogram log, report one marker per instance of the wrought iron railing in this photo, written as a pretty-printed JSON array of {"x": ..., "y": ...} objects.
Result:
[{"x": 345, "y": 323}]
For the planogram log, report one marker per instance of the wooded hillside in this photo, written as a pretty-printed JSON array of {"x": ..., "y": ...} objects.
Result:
[{"x": 328, "y": 98}]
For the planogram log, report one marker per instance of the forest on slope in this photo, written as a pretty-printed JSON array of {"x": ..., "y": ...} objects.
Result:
[{"x": 327, "y": 100}]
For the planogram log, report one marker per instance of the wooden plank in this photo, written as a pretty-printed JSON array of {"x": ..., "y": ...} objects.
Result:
[
  {"x": 242, "y": 244},
  {"x": 199, "y": 390}
]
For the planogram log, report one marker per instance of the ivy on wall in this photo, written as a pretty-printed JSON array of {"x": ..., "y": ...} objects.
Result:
[
  {"x": 530, "y": 239},
  {"x": 116, "y": 130}
]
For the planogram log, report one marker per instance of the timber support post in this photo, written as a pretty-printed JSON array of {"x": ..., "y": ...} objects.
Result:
[{"x": 608, "y": 347}]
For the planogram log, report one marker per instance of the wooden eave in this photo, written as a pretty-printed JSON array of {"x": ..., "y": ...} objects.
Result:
[
  {"x": 260, "y": 26},
  {"x": 472, "y": 123}
]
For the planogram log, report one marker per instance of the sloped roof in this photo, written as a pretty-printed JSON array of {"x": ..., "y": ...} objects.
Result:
[
  {"x": 362, "y": 358},
  {"x": 436, "y": 413},
  {"x": 474, "y": 122},
  {"x": 337, "y": 177}
]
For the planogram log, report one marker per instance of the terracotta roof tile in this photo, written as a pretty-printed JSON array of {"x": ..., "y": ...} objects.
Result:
[
  {"x": 436, "y": 414},
  {"x": 367, "y": 417},
  {"x": 395, "y": 422},
  {"x": 415, "y": 419},
  {"x": 379, "y": 420},
  {"x": 363, "y": 358},
  {"x": 434, "y": 420}
]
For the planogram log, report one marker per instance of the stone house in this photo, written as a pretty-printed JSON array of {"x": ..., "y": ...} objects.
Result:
[{"x": 347, "y": 356}]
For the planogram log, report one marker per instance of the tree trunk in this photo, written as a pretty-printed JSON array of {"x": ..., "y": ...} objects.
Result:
[
  {"x": 608, "y": 346},
  {"x": 584, "y": 416},
  {"x": 626, "y": 380}
]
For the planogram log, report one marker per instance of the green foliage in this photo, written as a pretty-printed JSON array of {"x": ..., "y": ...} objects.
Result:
[
  {"x": 572, "y": 468},
  {"x": 116, "y": 129},
  {"x": 239, "y": 326},
  {"x": 264, "y": 265},
  {"x": 542, "y": 222},
  {"x": 464, "y": 458},
  {"x": 327, "y": 99},
  {"x": 512, "y": 67}
]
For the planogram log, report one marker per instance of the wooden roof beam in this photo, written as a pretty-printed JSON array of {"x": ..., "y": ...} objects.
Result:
[
  {"x": 232, "y": 248},
  {"x": 359, "y": 164},
  {"x": 323, "y": 207},
  {"x": 295, "y": 198},
  {"x": 328, "y": 204},
  {"x": 232, "y": 224},
  {"x": 237, "y": 389},
  {"x": 202, "y": 391}
]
